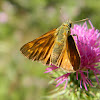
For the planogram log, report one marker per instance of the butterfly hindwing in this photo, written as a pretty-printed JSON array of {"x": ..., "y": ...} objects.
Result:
[{"x": 64, "y": 62}]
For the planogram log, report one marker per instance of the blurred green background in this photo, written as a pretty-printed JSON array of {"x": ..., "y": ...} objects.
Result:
[{"x": 22, "y": 21}]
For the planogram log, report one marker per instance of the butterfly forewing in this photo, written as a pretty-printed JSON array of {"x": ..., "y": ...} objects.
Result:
[
  {"x": 73, "y": 53},
  {"x": 40, "y": 49}
]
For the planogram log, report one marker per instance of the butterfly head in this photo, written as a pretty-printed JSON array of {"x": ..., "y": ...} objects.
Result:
[
  {"x": 66, "y": 27},
  {"x": 68, "y": 24}
]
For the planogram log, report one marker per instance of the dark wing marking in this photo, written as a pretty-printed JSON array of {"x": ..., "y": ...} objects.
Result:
[{"x": 73, "y": 52}]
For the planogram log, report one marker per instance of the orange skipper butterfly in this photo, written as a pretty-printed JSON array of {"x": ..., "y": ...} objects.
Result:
[{"x": 56, "y": 47}]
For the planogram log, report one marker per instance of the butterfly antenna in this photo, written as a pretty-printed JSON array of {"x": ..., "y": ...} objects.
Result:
[
  {"x": 81, "y": 20},
  {"x": 62, "y": 14}
]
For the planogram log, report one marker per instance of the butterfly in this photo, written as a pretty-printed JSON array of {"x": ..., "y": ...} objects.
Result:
[{"x": 56, "y": 47}]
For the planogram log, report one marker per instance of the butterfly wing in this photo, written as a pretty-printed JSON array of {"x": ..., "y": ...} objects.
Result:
[
  {"x": 69, "y": 59},
  {"x": 74, "y": 54},
  {"x": 40, "y": 49}
]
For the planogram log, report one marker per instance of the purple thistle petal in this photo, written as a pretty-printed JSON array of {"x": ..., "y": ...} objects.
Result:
[
  {"x": 94, "y": 69},
  {"x": 96, "y": 78},
  {"x": 65, "y": 75},
  {"x": 83, "y": 77},
  {"x": 60, "y": 82},
  {"x": 81, "y": 84},
  {"x": 77, "y": 75},
  {"x": 62, "y": 79},
  {"x": 91, "y": 24},
  {"x": 66, "y": 83},
  {"x": 85, "y": 80},
  {"x": 89, "y": 81},
  {"x": 85, "y": 86},
  {"x": 49, "y": 69}
]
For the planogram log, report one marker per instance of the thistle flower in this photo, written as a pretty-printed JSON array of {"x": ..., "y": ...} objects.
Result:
[{"x": 88, "y": 43}]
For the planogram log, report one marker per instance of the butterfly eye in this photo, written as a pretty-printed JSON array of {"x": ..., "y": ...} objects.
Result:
[{"x": 70, "y": 25}]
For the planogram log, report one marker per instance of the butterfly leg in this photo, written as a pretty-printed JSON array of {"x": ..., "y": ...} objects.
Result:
[
  {"x": 76, "y": 35},
  {"x": 78, "y": 39}
]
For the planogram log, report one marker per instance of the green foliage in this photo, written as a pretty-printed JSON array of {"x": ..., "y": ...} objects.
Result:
[{"x": 23, "y": 21}]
